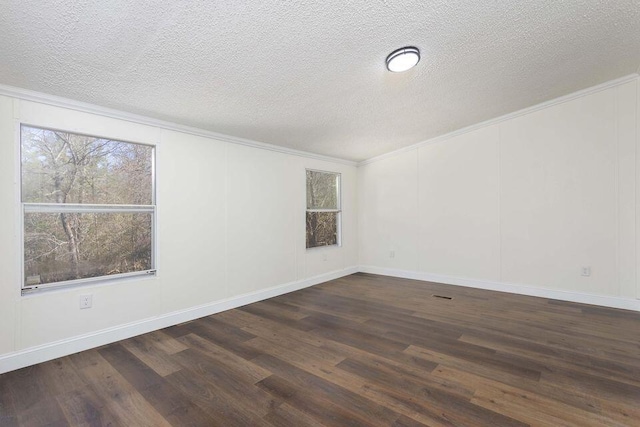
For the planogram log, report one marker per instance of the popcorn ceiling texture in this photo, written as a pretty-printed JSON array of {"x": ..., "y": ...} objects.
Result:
[{"x": 310, "y": 75}]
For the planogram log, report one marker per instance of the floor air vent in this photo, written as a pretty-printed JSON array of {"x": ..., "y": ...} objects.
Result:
[{"x": 441, "y": 296}]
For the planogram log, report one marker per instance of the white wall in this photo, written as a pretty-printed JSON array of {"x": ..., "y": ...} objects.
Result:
[
  {"x": 230, "y": 224},
  {"x": 521, "y": 205},
  {"x": 523, "y": 202}
]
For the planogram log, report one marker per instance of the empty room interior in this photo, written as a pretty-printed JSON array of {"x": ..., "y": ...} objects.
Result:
[{"x": 320, "y": 213}]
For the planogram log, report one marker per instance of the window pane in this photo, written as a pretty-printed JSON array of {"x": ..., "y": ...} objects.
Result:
[
  {"x": 68, "y": 246},
  {"x": 322, "y": 190},
  {"x": 322, "y": 229},
  {"x": 62, "y": 167}
]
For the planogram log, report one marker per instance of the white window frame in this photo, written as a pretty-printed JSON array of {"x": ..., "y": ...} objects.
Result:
[
  {"x": 338, "y": 211},
  {"x": 85, "y": 208}
]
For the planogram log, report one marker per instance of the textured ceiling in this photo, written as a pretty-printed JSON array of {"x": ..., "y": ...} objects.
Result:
[{"x": 310, "y": 75}]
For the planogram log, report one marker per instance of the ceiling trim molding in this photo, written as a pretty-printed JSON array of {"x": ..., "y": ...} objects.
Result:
[
  {"x": 509, "y": 116},
  {"x": 57, "y": 101}
]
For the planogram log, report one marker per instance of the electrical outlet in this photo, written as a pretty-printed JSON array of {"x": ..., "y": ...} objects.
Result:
[
  {"x": 324, "y": 257},
  {"x": 392, "y": 254},
  {"x": 86, "y": 301},
  {"x": 586, "y": 271}
]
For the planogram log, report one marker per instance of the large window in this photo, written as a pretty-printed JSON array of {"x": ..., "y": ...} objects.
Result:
[
  {"x": 88, "y": 208},
  {"x": 323, "y": 208}
]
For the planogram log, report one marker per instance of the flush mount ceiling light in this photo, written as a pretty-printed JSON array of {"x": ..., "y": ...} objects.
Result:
[{"x": 402, "y": 59}]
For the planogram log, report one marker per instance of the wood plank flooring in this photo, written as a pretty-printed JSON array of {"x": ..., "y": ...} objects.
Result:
[{"x": 363, "y": 350}]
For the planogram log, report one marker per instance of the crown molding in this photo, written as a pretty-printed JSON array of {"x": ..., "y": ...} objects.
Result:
[
  {"x": 29, "y": 95},
  {"x": 57, "y": 101},
  {"x": 509, "y": 116}
]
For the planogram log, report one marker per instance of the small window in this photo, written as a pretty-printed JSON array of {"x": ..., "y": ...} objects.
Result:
[
  {"x": 323, "y": 209},
  {"x": 88, "y": 207}
]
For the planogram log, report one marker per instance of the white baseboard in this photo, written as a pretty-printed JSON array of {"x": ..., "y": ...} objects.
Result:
[
  {"x": 43, "y": 353},
  {"x": 601, "y": 300}
]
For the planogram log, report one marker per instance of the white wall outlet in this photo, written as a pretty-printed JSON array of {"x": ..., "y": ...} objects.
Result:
[
  {"x": 392, "y": 254},
  {"x": 86, "y": 301},
  {"x": 586, "y": 271},
  {"x": 324, "y": 257}
]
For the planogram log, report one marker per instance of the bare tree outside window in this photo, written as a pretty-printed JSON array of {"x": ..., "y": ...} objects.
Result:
[
  {"x": 88, "y": 206},
  {"x": 323, "y": 208}
]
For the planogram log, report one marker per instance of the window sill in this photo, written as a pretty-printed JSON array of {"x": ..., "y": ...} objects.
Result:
[
  {"x": 328, "y": 247},
  {"x": 74, "y": 284}
]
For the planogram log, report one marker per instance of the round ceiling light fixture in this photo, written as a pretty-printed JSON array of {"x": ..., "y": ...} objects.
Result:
[{"x": 403, "y": 59}]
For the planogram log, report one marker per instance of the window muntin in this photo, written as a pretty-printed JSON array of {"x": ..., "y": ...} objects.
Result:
[
  {"x": 323, "y": 216},
  {"x": 88, "y": 207}
]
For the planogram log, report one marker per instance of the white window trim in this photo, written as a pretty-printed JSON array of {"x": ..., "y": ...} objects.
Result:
[
  {"x": 84, "y": 208},
  {"x": 338, "y": 244}
]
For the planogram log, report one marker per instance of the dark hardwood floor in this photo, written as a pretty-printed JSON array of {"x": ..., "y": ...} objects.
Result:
[{"x": 364, "y": 350}]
